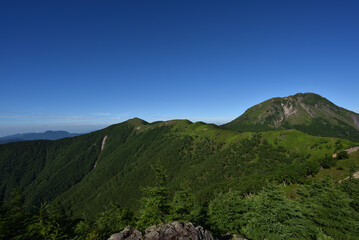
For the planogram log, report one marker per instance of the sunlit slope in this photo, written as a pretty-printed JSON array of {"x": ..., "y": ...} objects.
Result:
[
  {"x": 306, "y": 112},
  {"x": 343, "y": 169}
]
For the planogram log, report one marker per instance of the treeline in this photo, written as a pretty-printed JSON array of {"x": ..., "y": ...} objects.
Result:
[{"x": 317, "y": 210}]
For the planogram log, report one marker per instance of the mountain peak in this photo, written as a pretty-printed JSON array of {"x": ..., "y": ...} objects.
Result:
[
  {"x": 136, "y": 122},
  {"x": 306, "y": 94},
  {"x": 307, "y": 112}
]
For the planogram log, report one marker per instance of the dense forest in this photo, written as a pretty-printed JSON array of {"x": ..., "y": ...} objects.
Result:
[
  {"x": 315, "y": 210},
  {"x": 274, "y": 184}
]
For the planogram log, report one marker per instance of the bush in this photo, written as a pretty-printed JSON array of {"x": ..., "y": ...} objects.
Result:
[
  {"x": 342, "y": 155},
  {"x": 273, "y": 216}
]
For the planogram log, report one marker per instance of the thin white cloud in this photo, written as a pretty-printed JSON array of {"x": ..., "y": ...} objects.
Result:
[
  {"x": 101, "y": 114},
  {"x": 37, "y": 116},
  {"x": 43, "y": 116},
  {"x": 13, "y": 116}
]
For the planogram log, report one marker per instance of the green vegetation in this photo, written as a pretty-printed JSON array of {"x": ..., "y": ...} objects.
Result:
[
  {"x": 257, "y": 185},
  {"x": 154, "y": 203},
  {"x": 321, "y": 210},
  {"x": 208, "y": 158},
  {"x": 308, "y": 112}
]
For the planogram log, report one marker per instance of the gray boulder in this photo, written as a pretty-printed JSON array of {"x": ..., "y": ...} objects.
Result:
[
  {"x": 177, "y": 231},
  {"x": 165, "y": 231},
  {"x": 127, "y": 234}
]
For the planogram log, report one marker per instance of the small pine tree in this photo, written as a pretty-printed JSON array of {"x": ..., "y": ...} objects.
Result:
[
  {"x": 322, "y": 236},
  {"x": 45, "y": 225},
  {"x": 184, "y": 208},
  {"x": 226, "y": 213},
  {"x": 181, "y": 206},
  {"x": 83, "y": 229},
  {"x": 13, "y": 217},
  {"x": 113, "y": 219},
  {"x": 154, "y": 202}
]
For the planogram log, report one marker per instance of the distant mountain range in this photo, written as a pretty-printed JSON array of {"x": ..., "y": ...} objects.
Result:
[
  {"x": 48, "y": 135},
  {"x": 306, "y": 112}
]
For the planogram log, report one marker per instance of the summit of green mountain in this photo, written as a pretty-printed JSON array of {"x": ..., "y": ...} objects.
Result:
[
  {"x": 306, "y": 112},
  {"x": 136, "y": 122}
]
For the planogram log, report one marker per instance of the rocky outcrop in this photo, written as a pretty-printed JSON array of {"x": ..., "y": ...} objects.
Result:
[
  {"x": 128, "y": 233},
  {"x": 172, "y": 230},
  {"x": 177, "y": 230}
]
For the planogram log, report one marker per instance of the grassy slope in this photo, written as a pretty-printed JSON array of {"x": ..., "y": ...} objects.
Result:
[
  {"x": 342, "y": 170},
  {"x": 205, "y": 157},
  {"x": 338, "y": 173}
]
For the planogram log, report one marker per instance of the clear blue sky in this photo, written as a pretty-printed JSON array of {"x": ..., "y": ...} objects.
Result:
[{"x": 81, "y": 65}]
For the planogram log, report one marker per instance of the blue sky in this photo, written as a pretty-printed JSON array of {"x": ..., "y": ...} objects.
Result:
[{"x": 82, "y": 65}]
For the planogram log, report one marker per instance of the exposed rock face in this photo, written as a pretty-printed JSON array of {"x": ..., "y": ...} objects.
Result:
[
  {"x": 178, "y": 231},
  {"x": 173, "y": 231},
  {"x": 128, "y": 233}
]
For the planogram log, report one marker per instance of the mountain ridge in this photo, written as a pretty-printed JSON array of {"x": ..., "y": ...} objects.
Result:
[
  {"x": 47, "y": 135},
  {"x": 205, "y": 156}
]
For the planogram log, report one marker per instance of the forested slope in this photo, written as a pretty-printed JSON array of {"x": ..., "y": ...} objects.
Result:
[{"x": 206, "y": 158}]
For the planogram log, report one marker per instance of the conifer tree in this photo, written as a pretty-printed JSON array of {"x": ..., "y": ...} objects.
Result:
[
  {"x": 273, "y": 216},
  {"x": 330, "y": 210},
  {"x": 13, "y": 217},
  {"x": 154, "y": 201},
  {"x": 46, "y": 225},
  {"x": 184, "y": 207},
  {"x": 226, "y": 212}
]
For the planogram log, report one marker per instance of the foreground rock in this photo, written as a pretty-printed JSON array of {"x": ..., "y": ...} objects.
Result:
[
  {"x": 177, "y": 230},
  {"x": 172, "y": 230},
  {"x": 128, "y": 233}
]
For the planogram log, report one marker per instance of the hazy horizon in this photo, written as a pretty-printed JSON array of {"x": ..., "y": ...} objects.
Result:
[{"x": 86, "y": 128}]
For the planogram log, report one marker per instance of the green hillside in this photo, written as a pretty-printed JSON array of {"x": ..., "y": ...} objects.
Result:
[
  {"x": 279, "y": 184},
  {"x": 308, "y": 112},
  {"x": 84, "y": 178}
]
